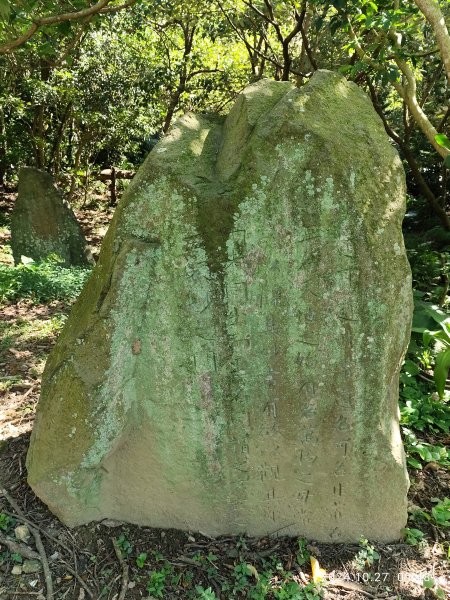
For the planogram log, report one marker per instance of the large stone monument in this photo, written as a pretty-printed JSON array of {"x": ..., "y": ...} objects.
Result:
[
  {"x": 42, "y": 223},
  {"x": 232, "y": 364}
]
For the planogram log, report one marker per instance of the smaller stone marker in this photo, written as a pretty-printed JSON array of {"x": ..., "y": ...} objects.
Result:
[{"x": 42, "y": 223}]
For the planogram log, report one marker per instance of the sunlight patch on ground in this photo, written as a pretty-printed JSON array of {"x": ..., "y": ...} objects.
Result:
[{"x": 27, "y": 333}]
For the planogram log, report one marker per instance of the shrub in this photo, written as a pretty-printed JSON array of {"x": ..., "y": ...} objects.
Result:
[{"x": 41, "y": 282}]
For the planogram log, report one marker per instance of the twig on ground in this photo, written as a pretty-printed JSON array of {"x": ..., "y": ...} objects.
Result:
[
  {"x": 124, "y": 566},
  {"x": 47, "y": 573},
  {"x": 37, "y": 540},
  {"x": 33, "y": 524},
  {"x": 12, "y": 502},
  {"x": 27, "y": 593},
  {"x": 209, "y": 537},
  {"x": 264, "y": 553},
  {"x": 185, "y": 560},
  {"x": 350, "y": 587},
  {"x": 21, "y": 549},
  {"x": 278, "y": 530},
  {"x": 78, "y": 578},
  {"x": 28, "y": 392}
]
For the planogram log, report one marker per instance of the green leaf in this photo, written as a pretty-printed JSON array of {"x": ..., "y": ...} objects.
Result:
[
  {"x": 442, "y": 140},
  {"x": 46, "y": 49},
  {"x": 393, "y": 74},
  {"x": 345, "y": 69},
  {"x": 17, "y": 557},
  {"x": 440, "y": 593},
  {"x": 26, "y": 260},
  {"x": 428, "y": 337},
  {"x": 140, "y": 560},
  {"x": 65, "y": 28},
  {"x": 441, "y": 371},
  {"x": 411, "y": 368},
  {"x": 415, "y": 464},
  {"x": 447, "y": 161},
  {"x": 443, "y": 336},
  {"x": 426, "y": 316}
]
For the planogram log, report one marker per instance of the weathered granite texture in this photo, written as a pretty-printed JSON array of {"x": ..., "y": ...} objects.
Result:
[
  {"x": 232, "y": 364},
  {"x": 42, "y": 223}
]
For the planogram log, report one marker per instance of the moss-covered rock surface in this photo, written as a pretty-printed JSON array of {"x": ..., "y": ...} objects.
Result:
[{"x": 232, "y": 363}]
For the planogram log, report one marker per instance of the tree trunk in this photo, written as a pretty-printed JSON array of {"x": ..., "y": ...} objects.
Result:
[
  {"x": 55, "y": 155},
  {"x": 181, "y": 87},
  {"x": 412, "y": 162},
  {"x": 39, "y": 126},
  {"x": 433, "y": 14},
  {"x": 76, "y": 166}
]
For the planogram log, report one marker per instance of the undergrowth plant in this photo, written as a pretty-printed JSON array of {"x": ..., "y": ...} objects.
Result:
[
  {"x": 157, "y": 581},
  {"x": 429, "y": 583},
  {"x": 202, "y": 594},
  {"x": 41, "y": 282},
  {"x": 424, "y": 412},
  {"x": 366, "y": 556},
  {"x": 417, "y": 449},
  {"x": 6, "y": 523},
  {"x": 441, "y": 512},
  {"x": 439, "y": 515},
  {"x": 430, "y": 266},
  {"x": 413, "y": 536},
  {"x": 271, "y": 582},
  {"x": 434, "y": 325}
]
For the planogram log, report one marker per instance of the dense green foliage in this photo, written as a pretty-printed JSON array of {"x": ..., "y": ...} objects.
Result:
[
  {"x": 98, "y": 90},
  {"x": 41, "y": 282},
  {"x": 425, "y": 413}
]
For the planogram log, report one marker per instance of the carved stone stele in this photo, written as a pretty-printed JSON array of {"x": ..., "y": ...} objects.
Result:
[{"x": 232, "y": 364}]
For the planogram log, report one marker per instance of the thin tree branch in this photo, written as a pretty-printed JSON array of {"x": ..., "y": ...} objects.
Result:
[
  {"x": 124, "y": 567},
  {"x": 39, "y": 545},
  {"x": 417, "y": 54},
  {"x": 444, "y": 120},
  {"x": 99, "y": 7},
  {"x": 307, "y": 47},
  {"x": 18, "y": 548},
  {"x": 430, "y": 85},
  {"x": 287, "y": 59},
  {"x": 77, "y": 39},
  {"x": 246, "y": 42},
  {"x": 260, "y": 13},
  {"x": 410, "y": 159},
  {"x": 433, "y": 14},
  {"x": 113, "y": 9},
  {"x": 202, "y": 71},
  {"x": 407, "y": 92},
  {"x": 284, "y": 41}
]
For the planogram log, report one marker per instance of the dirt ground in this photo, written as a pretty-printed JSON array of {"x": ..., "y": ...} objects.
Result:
[{"x": 107, "y": 560}]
